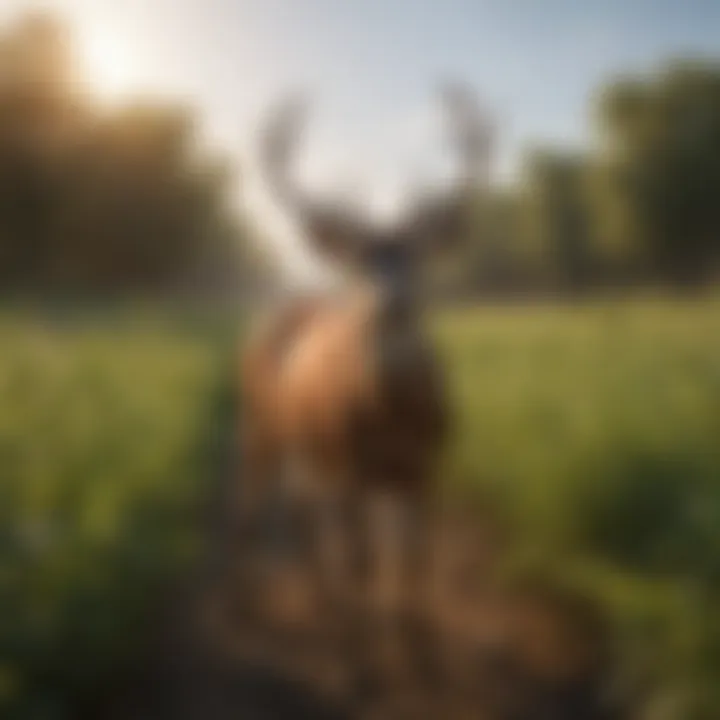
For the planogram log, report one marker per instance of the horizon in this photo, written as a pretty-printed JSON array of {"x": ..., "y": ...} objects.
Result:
[{"x": 370, "y": 68}]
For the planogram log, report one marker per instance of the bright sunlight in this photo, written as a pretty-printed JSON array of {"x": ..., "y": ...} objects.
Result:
[{"x": 110, "y": 63}]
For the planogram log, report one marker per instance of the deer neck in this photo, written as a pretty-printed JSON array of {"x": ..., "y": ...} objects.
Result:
[{"x": 398, "y": 341}]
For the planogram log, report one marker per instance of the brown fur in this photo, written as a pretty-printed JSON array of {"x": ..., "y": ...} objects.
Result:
[
  {"x": 346, "y": 391},
  {"x": 322, "y": 381},
  {"x": 360, "y": 409}
]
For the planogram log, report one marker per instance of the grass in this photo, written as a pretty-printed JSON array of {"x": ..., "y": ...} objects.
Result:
[
  {"x": 104, "y": 437},
  {"x": 546, "y": 400},
  {"x": 596, "y": 428}
]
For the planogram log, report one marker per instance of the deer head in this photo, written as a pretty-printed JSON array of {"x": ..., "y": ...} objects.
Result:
[{"x": 388, "y": 257}]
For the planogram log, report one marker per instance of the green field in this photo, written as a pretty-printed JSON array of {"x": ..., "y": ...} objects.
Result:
[
  {"x": 556, "y": 403},
  {"x": 106, "y": 439},
  {"x": 596, "y": 431}
]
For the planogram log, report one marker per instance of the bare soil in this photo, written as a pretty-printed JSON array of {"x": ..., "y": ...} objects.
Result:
[{"x": 247, "y": 638}]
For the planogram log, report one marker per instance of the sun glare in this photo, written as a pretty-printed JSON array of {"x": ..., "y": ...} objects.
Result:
[{"x": 109, "y": 64}]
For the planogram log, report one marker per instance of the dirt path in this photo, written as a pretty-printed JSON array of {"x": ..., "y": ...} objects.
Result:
[{"x": 231, "y": 646}]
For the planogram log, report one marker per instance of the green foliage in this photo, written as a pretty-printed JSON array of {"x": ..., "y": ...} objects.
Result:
[
  {"x": 639, "y": 205},
  {"x": 104, "y": 434},
  {"x": 663, "y": 137},
  {"x": 556, "y": 218},
  {"x": 595, "y": 430},
  {"x": 105, "y": 201}
]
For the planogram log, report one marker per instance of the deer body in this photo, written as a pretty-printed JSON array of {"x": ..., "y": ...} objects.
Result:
[
  {"x": 348, "y": 388},
  {"x": 339, "y": 384}
]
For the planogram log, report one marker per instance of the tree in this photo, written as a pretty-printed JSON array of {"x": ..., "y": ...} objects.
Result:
[
  {"x": 495, "y": 261},
  {"x": 555, "y": 217},
  {"x": 104, "y": 202},
  {"x": 661, "y": 170}
]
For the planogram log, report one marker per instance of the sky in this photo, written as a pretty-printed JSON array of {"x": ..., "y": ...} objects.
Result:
[{"x": 371, "y": 67}]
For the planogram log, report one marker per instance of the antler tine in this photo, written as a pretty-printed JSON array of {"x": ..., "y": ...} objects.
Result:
[
  {"x": 328, "y": 226},
  {"x": 471, "y": 126},
  {"x": 445, "y": 216},
  {"x": 280, "y": 140}
]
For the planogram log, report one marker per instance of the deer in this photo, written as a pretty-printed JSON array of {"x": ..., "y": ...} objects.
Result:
[{"x": 346, "y": 387}]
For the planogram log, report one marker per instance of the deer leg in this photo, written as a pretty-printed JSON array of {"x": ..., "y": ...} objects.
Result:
[
  {"x": 418, "y": 552},
  {"x": 277, "y": 508},
  {"x": 385, "y": 584},
  {"x": 264, "y": 504},
  {"x": 372, "y": 637},
  {"x": 331, "y": 553},
  {"x": 257, "y": 470},
  {"x": 417, "y": 586}
]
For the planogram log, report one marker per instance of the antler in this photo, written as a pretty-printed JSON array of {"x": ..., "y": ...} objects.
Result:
[
  {"x": 443, "y": 217},
  {"x": 471, "y": 127},
  {"x": 278, "y": 144},
  {"x": 329, "y": 226}
]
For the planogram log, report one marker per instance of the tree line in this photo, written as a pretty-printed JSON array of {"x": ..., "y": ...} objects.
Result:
[
  {"x": 640, "y": 205},
  {"x": 97, "y": 201}
]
